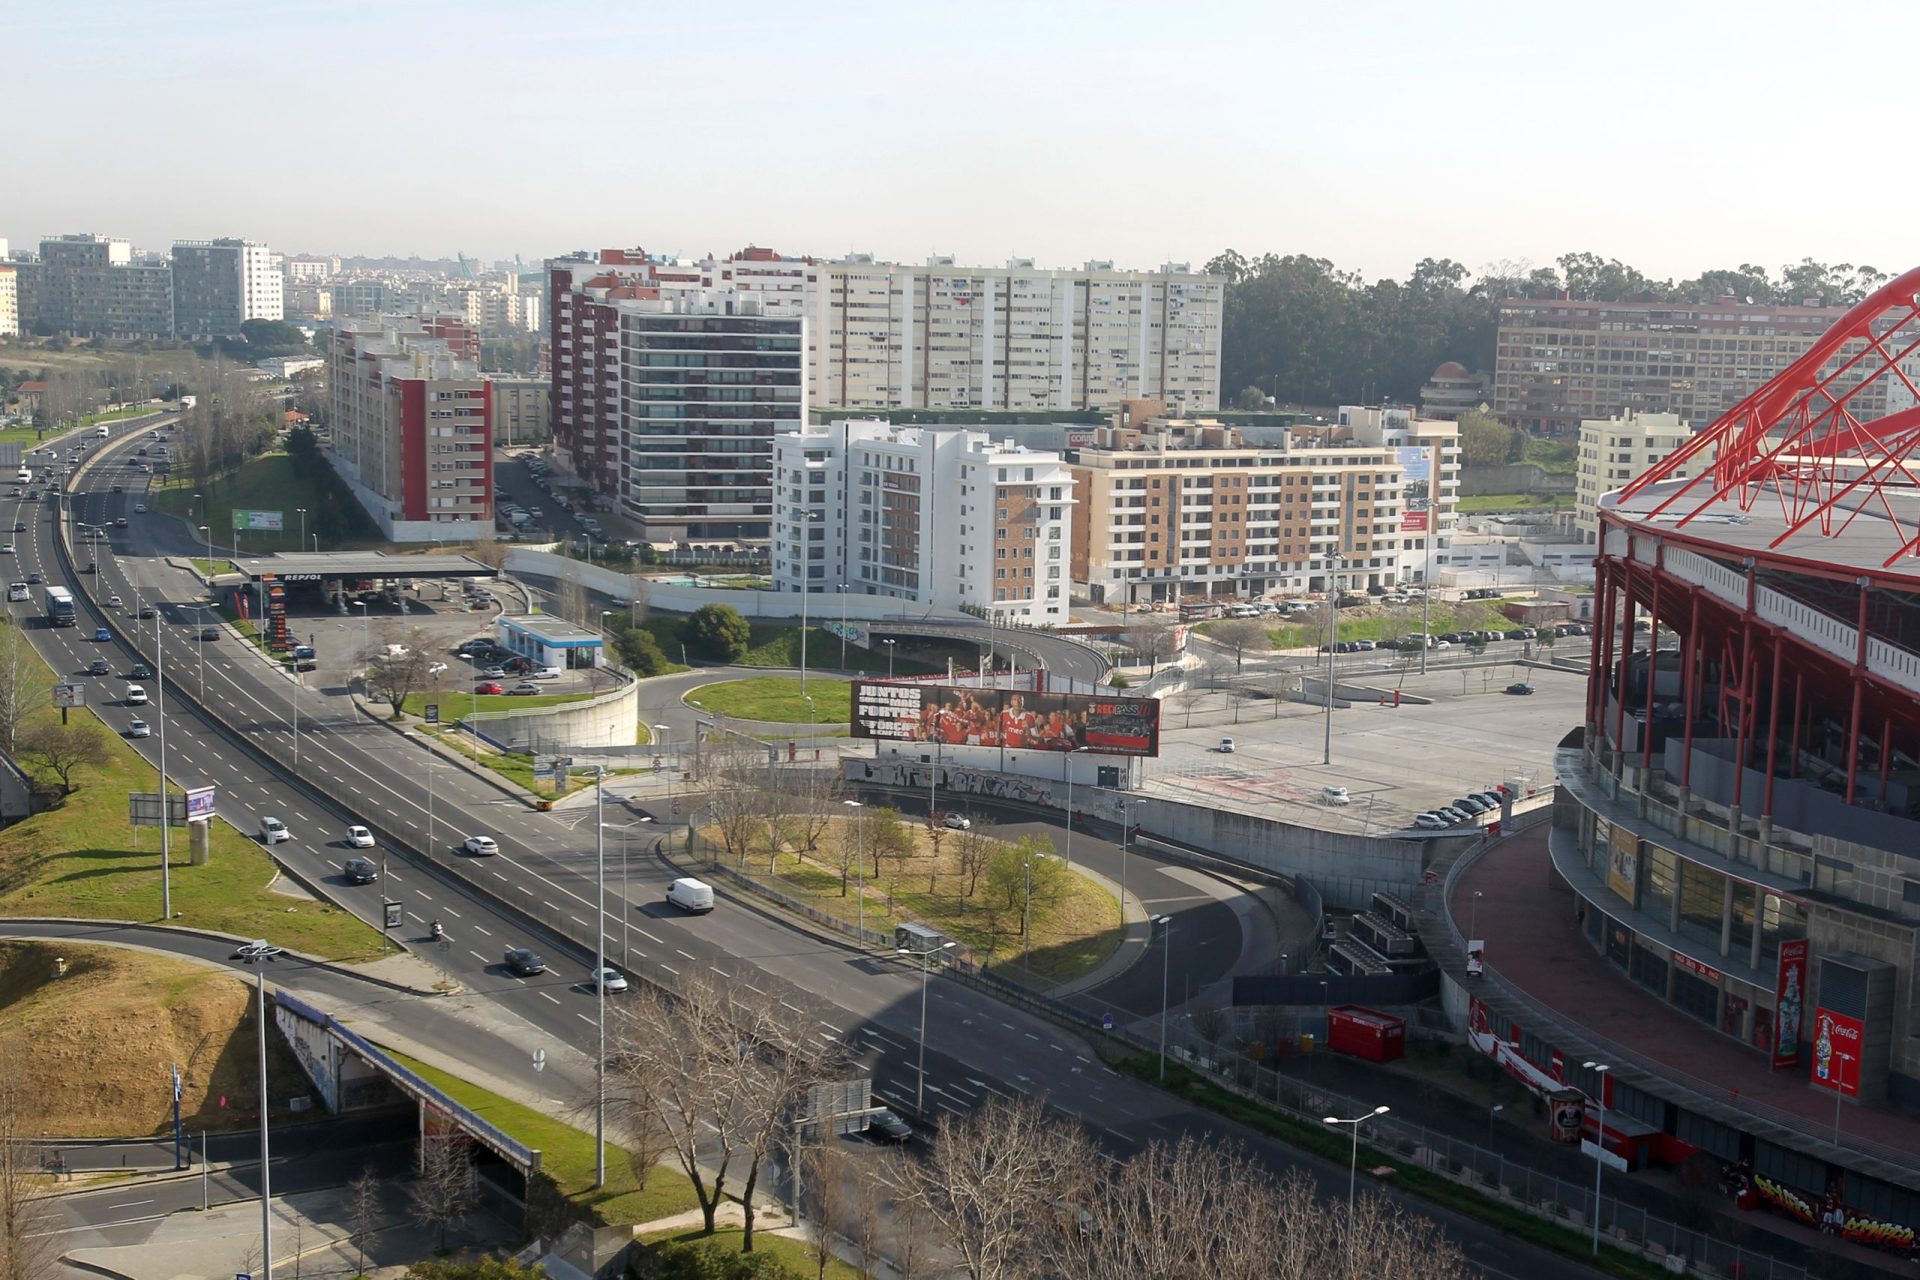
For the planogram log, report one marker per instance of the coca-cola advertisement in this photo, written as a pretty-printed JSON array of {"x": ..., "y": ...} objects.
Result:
[
  {"x": 1836, "y": 1051},
  {"x": 1790, "y": 996}
]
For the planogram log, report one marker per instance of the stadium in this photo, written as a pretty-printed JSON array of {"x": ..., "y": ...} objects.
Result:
[{"x": 1737, "y": 832}]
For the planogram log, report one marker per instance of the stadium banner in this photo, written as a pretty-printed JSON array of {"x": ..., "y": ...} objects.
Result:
[
  {"x": 1789, "y": 991},
  {"x": 1009, "y": 718}
]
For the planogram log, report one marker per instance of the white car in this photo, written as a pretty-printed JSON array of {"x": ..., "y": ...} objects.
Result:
[
  {"x": 481, "y": 845},
  {"x": 959, "y": 822},
  {"x": 1430, "y": 821},
  {"x": 113, "y": 602},
  {"x": 136, "y": 696},
  {"x": 1335, "y": 795},
  {"x": 1226, "y": 747},
  {"x": 359, "y": 837},
  {"x": 139, "y": 729},
  {"x": 140, "y": 508},
  {"x": 6, "y": 548},
  {"x": 273, "y": 831},
  {"x": 612, "y": 979}
]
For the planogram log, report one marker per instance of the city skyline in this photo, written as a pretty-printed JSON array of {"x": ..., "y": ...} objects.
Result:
[{"x": 1373, "y": 138}]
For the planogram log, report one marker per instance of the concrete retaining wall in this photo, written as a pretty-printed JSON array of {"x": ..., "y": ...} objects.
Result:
[
  {"x": 822, "y": 607},
  {"x": 609, "y": 720},
  {"x": 1518, "y": 477}
]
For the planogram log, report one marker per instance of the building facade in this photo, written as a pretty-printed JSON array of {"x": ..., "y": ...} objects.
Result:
[
  {"x": 947, "y": 519},
  {"x": 1453, "y": 390},
  {"x": 9, "y": 301},
  {"x": 219, "y": 285},
  {"x": 412, "y": 426},
  {"x": 1178, "y": 507},
  {"x": 1615, "y": 450},
  {"x": 1561, "y": 361},
  {"x": 520, "y": 409},
  {"x": 90, "y": 286}
]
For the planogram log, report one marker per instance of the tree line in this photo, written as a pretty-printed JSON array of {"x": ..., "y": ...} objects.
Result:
[{"x": 1304, "y": 331}]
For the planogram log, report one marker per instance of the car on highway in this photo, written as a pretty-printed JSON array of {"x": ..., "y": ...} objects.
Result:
[
  {"x": 360, "y": 870},
  {"x": 6, "y": 549},
  {"x": 523, "y": 689},
  {"x": 481, "y": 846},
  {"x": 139, "y": 729},
  {"x": 120, "y": 522},
  {"x": 140, "y": 671},
  {"x": 35, "y": 578},
  {"x": 524, "y": 962},
  {"x": 209, "y": 633},
  {"x": 18, "y": 591},
  {"x": 136, "y": 695},
  {"x": 885, "y": 1126},
  {"x": 488, "y": 686},
  {"x": 102, "y": 635},
  {"x": 613, "y": 979},
  {"x": 19, "y": 526},
  {"x": 148, "y": 611},
  {"x": 958, "y": 822},
  {"x": 1520, "y": 687},
  {"x": 140, "y": 508},
  {"x": 273, "y": 831},
  {"x": 113, "y": 602},
  {"x": 359, "y": 837}
]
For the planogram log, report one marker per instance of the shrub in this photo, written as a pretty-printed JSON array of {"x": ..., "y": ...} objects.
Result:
[{"x": 716, "y": 632}]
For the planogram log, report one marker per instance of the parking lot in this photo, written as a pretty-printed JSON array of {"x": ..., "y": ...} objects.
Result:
[{"x": 1395, "y": 761}]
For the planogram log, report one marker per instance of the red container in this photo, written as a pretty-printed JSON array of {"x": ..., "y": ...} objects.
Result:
[{"x": 1364, "y": 1033}]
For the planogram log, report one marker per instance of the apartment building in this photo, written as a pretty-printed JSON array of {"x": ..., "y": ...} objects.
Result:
[
  {"x": 90, "y": 286},
  {"x": 219, "y": 285},
  {"x": 305, "y": 269},
  {"x": 1428, "y": 450},
  {"x": 1179, "y": 507},
  {"x": 9, "y": 301},
  {"x": 412, "y": 428},
  {"x": 943, "y": 518},
  {"x": 520, "y": 409},
  {"x": 1560, "y": 362},
  {"x": 1615, "y": 450}
]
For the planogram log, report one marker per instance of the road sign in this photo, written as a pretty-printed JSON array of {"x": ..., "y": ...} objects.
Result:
[
  {"x": 1106, "y": 1022},
  {"x": 393, "y": 913},
  {"x": 433, "y": 713},
  {"x": 539, "y": 1059},
  {"x": 843, "y": 1105},
  {"x": 69, "y": 695}
]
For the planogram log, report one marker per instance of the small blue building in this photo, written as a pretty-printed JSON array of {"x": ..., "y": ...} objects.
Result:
[{"x": 549, "y": 640}]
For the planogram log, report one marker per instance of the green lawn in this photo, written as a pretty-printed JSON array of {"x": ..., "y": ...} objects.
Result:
[
  {"x": 513, "y": 766},
  {"x": 1469, "y": 615},
  {"x": 269, "y": 482},
  {"x": 455, "y": 704},
  {"x": 777, "y": 699},
  {"x": 796, "y": 1256},
  {"x": 566, "y": 1157},
  {"x": 83, "y": 860},
  {"x": 1517, "y": 502},
  {"x": 774, "y": 644},
  {"x": 1556, "y": 457}
]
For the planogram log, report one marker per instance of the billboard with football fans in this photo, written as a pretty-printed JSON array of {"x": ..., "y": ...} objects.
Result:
[{"x": 1010, "y": 718}]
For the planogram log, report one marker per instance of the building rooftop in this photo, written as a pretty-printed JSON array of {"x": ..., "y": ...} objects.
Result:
[
  {"x": 551, "y": 628},
  {"x": 312, "y": 566}
]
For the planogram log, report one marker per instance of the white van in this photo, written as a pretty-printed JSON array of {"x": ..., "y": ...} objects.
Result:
[
  {"x": 102, "y": 431},
  {"x": 24, "y": 477},
  {"x": 273, "y": 831},
  {"x": 693, "y": 896}
]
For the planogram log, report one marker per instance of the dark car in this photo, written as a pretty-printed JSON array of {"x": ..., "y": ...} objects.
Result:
[
  {"x": 35, "y": 578},
  {"x": 360, "y": 870},
  {"x": 209, "y": 633},
  {"x": 475, "y": 647},
  {"x": 119, "y": 488},
  {"x": 524, "y": 962},
  {"x": 98, "y": 667},
  {"x": 140, "y": 671},
  {"x": 148, "y": 611},
  {"x": 885, "y": 1126},
  {"x": 1520, "y": 687},
  {"x": 19, "y": 526}
]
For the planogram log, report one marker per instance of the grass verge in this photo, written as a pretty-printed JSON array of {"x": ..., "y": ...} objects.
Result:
[
  {"x": 1516, "y": 502},
  {"x": 515, "y": 767},
  {"x": 1389, "y": 622},
  {"x": 566, "y": 1158},
  {"x": 777, "y": 699},
  {"x": 269, "y": 482},
  {"x": 1556, "y": 457},
  {"x": 1567, "y": 1241},
  {"x": 795, "y": 1256}
]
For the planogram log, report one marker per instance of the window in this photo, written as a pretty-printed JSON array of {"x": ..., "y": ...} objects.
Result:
[{"x": 1701, "y": 892}]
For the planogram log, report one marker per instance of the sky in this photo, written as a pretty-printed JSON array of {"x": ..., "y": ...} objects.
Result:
[{"x": 1676, "y": 137}]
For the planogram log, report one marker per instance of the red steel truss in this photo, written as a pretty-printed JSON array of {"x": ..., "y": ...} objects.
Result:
[{"x": 1798, "y": 440}]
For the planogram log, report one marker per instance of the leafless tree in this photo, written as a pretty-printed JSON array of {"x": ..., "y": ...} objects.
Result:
[
  {"x": 24, "y": 686},
  {"x": 736, "y": 798},
  {"x": 64, "y": 750},
  {"x": 447, "y": 1189},
  {"x": 847, "y": 848},
  {"x": 829, "y": 1192},
  {"x": 364, "y": 1209},
  {"x": 973, "y": 850},
  {"x": 25, "y": 1254},
  {"x": 488, "y": 551},
  {"x": 1154, "y": 638},
  {"x": 887, "y": 836},
  {"x": 1211, "y": 1022},
  {"x": 1241, "y": 636},
  {"x": 570, "y": 602},
  {"x": 868, "y": 1220},
  {"x": 399, "y": 665}
]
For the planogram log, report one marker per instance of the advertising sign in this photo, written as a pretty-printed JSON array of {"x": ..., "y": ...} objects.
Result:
[
  {"x": 1789, "y": 991},
  {"x": 69, "y": 695},
  {"x": 1417, "y": 463},
  {"x": 1008, "y": 718},
  {"x": 1476, "y": 958},
  {"x": 1693, "y": 966},
  {"x": 200, "y": 806},
  {"x": 433, "y": 713},
  {"x": 1836, "y": 1051},
  {"x": 269, "y": 520},
  {"x": 1623, "y": 863}
]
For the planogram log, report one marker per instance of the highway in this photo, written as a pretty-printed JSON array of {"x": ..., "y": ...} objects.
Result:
[{"x": 976, "y": 1045}]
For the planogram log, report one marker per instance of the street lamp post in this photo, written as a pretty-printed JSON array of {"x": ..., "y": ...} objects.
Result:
[
  {"x": 889, "y": 644},
  {"x": 366, "y": 635},
  {"x": 1333, "y": 615},
  {"x": 260, "y": 955},
  {"x": 843, "y": 626},
  {"x": 303, "y": 527},
  {"x": 1837, "y": 1095},
  {"x": 600, "y": 973},
  {"x": 926, "y": 962},
  {"x": 1473, "y": 915},
  {"x": 1067, "y": 768},
  {"x": 160, "y": 714},
  {"x": 859, "y": 870},
  {"x": 1599, "y": 1070},
  {"x": 1353, "y": 1169},
  {"x": 1166, "y": 952}
]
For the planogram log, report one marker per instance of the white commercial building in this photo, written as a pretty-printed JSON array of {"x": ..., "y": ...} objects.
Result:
[
  {"x": 1615, "y": 450},
  {"x": 944, "y": 518}
]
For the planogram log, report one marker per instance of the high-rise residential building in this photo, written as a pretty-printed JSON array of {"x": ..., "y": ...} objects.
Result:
[
  {"x": 520, "y": 409},
  {"x": 309, "y": 302},
  {"x": 412, "y": 426},
  {"x": 367, "y": 296},
  {"x": 1181, "y": 507},
  {"x": 219, "y": 285},
  {"x": 1560, "y": 362},
  {"x": 90, "y": 285},
  {"x": 1615, "y": 450},
  {"x": 944, "y": 518},
  {"x": 9, "y": 301}
]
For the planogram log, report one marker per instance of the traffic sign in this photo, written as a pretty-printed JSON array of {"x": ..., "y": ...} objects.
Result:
[
  {"x": 539, "y": 1059},
  {"x": 433, "y": 713},
  {"x": 1106, "y": 1022}
]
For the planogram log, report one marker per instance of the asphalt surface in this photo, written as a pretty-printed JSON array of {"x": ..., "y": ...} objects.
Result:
[{"x": 976, "y": 1045}]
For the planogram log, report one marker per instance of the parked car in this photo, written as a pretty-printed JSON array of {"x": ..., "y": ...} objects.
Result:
[
  {"x": 469, "y": 647},
  {"x": 1520, "y": 687},
  {"x": 360, "y": 870},
  {"x": 1489, "y": 798},
  {"x": 1335, "y": 796},
  {"x": 495, "y": 673},
  {"x": 1226, "y": 747},
  {"x": 1469, "y": 805},
  {"x": 958, "y": 821},
  {"x": 1429, "y": 821},
  {"x": 524, "y": 688},
  {"x": 1452, "y": 814},
  {"x": 359, "y": 837},
  {"x": 488, "y": 686},
  {"x": 480, "y": 846},
  {"x": 524, "y": 962}
]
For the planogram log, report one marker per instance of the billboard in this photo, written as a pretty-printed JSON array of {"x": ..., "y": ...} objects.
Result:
[
  {"x": 269, "y": 520},
  {"x": 1789, "y": 990},
  {"x": 69, "y": 695},
  {"x": 1009, "y": 718},
  {"x": 1417, "y": 463},
  {"x": 200, "y": 804},
  {"x": 1623, "y": 863},
  {"x": 1837, "y": 1040}
]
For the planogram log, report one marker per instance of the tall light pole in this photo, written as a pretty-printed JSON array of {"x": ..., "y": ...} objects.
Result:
[
  {"x": 843, "y": 626},
  {"x": 260, "y": 955},
  {"x": 303, "y": 528},
  {"x": 1353, "y": 1169},
  {"x": 859, "y": 871},
  {"x": 1473, "y": 915},
  {"x": 366, "y": 634},
  {"x": 166, "y": 813},
  {"x": 889, "y": 644},
  {"x": 1599, "y": 1070},
  {"x": 208, "y": 530},
  {"x": 600, "y": 973},
  {"x": 926, "y": 961},
  {"x": 1165, "y": 924},
  {"x": 1067, "y": 761},
  {"x": 1333, "y": 615},
  {"x": 1837, "y": 1093}
]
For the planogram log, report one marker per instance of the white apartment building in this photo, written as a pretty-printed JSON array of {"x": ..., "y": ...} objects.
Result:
[
  {"x": 947, "y": 519},
  {"x": 218, "y": 285},
  {"x": 1614, "y": 451},
  {"x": 9, "y": 301},
  {"x": 1428, "y": 450},
  {"x": 308, "y": 270},
  {"x": 1178, "y": 508},
  {"x": 412, "y": 430}
]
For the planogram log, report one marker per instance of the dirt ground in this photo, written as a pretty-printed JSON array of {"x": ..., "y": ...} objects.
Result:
[{"x": 94, "y": 1047}]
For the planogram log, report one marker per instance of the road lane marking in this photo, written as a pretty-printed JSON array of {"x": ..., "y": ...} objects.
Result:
[
  {"x": 649, "y": 937},
  {"x": 670, "y": 969},
  {"x": 481, "y": 928},
  {"x": 477, "y": 956},
  {"x": 128, "y": 1204},
  {"x": 545, "y": 996}
]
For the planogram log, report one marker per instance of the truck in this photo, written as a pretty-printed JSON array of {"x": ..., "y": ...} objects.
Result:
[{"x": 59, "y": 607}]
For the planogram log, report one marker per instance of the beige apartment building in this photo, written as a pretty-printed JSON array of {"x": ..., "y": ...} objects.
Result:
[
  {"x": 1615, "y": 450},
  {"x": 9, "y": 302},
  {"x": 1179, "y": 508},
  {"x": 1561, "y": 362},
  {"x": 520, "y": 409}
]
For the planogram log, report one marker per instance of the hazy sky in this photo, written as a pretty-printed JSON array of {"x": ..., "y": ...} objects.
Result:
[{"x": 1370, "y": 133}]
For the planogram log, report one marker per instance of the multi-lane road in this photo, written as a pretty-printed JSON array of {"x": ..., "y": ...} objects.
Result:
[{"x": 351, "y": 769}]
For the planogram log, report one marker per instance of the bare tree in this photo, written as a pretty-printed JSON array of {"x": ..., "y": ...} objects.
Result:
[
  {"x": 1211, "y": 1022},
  {"x": 400, "y": 666},
  {"x": 736, "y": 798},
  {"x": 828, "y": 1196},
  {"x": 364, "y": 1208},
  {"x": 570, "y": 601},
  {"x": 24, "y": 686},
  {"x": 1241, "y": 636},
  {"x": 24, "y": 1253},
  {"x": 64, "y": 750},
  {"x": 447, "y": 1189},
  {"x": 1154, "y": 637},
  {"x": 973, "y": 850},
  {"x": 847, "y": 848},
  {"x": 887, "y": 836}
]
